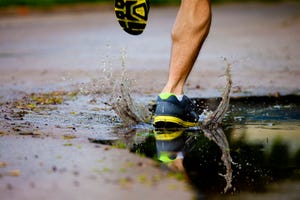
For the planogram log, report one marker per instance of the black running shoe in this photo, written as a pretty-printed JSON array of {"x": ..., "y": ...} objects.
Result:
[
  {"x": 132, "y": 15},
  {"x": 170, "y": 112}
]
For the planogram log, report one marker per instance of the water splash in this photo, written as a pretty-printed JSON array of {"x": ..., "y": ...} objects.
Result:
[
  {"x": 103, "y": 83},
  {"x": 216, "y": 116},
  {"x": 217, "y": 135},
  {"x": 212, "y": 131},
  {"x": 130, "y": 112}
]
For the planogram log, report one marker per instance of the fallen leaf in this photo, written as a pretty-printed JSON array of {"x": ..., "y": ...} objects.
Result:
[
  {"x": 37, "y": 132},
  {"x": 2, "y": 133},
  {"x": 125, "y": 182},
  {"x": 3, "y": 164},
  {"x": 172, "y": 187},
  {"x": 14, "y": 173},
  {"x": 69, "y": 137}
]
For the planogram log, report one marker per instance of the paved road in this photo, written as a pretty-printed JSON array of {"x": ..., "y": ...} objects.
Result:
[{"x": 43, "y": 52}]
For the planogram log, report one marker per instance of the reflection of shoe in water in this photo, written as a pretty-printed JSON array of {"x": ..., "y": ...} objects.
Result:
[
  {"x": 132, "y": 15},
  {"x": 170, "y": 112},
  {"x": 169, "y": 145}
]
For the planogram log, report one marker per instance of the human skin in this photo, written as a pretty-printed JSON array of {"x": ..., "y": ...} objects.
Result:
[{"x": 190, "y": 30}]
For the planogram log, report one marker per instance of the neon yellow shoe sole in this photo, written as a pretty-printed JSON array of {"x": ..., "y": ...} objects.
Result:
[
  {"x": 132, "y": 15},
  {"x": 159, "y": 120}
]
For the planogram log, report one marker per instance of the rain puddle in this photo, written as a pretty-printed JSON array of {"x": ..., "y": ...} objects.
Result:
[{"x": 263, "y": 134}]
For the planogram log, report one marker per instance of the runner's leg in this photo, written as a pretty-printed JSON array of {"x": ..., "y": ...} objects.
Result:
[{"x": 189, "y": 32}]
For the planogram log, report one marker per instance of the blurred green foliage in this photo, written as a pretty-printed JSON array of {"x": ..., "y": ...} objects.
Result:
[
  {"x": 41, "y": 2},
  {"x": 4, "y": 3}
]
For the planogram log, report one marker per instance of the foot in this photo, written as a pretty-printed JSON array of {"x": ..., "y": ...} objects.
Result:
[
  {"x": 132, "y": 15},
  {"x": 170, "y": 112}
]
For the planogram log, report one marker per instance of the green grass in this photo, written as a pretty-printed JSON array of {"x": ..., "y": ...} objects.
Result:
[{"x": 43, "y": 3}]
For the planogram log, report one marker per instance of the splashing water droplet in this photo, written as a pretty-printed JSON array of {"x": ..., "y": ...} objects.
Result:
[
  {"x": 213, "y": 132},
  {"x": 130, "y": 112}
]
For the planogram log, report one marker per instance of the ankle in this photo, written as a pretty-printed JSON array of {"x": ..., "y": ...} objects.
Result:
[
  {"x": 165, "y": 95},
  {"x": 173, "y": 90}
]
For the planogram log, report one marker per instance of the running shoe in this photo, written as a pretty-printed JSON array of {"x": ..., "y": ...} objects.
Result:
[
  {"x": 132, "y": 15},
  {"x": 170, "y": 112}
]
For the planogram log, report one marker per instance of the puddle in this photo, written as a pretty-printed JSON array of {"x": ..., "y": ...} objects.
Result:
[{"x": 264, "y": 139}]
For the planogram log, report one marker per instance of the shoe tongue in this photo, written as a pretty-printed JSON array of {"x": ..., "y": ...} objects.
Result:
[{"x": 179, "y": 97}]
